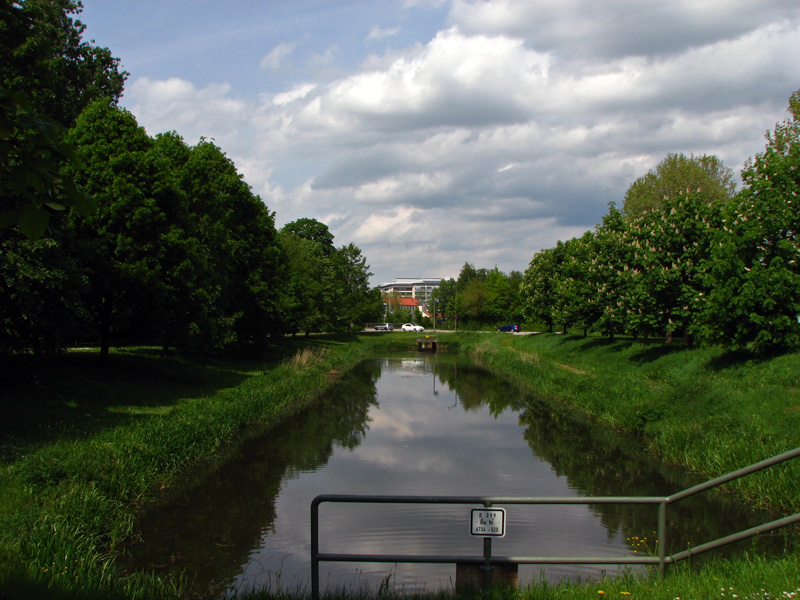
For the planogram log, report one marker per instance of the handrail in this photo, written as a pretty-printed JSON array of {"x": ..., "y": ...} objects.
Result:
[{"x": 487, "y": 501}]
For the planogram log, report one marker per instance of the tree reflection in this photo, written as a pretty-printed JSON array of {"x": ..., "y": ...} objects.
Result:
[
  {"x": 600, "y": 462},
  {"x": 209, "y": 526}
]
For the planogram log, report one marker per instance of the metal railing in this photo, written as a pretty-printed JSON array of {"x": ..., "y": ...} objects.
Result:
[{"x": 487, "y": 560}]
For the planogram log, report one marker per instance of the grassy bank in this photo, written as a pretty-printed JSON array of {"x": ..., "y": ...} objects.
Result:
[
  {"x": 91, "y": 444},
  {"x": 703, "y": 409}
]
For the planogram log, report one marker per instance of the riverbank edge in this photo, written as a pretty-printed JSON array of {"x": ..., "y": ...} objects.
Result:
[
  {"x": 700, "y": 409},
  {"x": 66, "y": 507},
  {"x": 73, "y": 521}
]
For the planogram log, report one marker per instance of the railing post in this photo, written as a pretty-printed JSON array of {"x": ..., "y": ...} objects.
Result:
[
  {"x": 487, "y": 559},
  {"x": 315, "y": 550},
  {"x": 487, "y": 564},
  {"x": 661, "y": 543}
]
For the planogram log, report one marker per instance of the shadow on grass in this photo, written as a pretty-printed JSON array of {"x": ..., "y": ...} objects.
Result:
[
  {"x": 75, "y": 395},
  {"x": 734, "y": 358},
  {"x": 656, "y": 352}
]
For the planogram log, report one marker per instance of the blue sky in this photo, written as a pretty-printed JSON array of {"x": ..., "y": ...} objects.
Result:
[{"x": 431, "y": 133}]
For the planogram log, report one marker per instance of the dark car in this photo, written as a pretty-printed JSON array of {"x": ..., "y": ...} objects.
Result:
[{"x": 512, "y": 327}]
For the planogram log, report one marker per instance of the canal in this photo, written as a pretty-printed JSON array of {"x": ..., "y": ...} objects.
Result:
[{"x": 418, "y": 424}]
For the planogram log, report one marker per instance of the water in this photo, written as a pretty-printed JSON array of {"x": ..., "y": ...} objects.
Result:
[{"x": 422, "y": 424}]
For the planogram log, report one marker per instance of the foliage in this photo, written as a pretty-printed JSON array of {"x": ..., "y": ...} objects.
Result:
[
  {"x": 754, "y": 271},
  {"x": 671, "y": 250},
  {"x": 478, "y": 299},
  {"x": 685, "y": 258},
  {"x": 679, "y": 175},
  {"x": 32, "y": 153},
  {"x": 327, "y": 287},
  {"x": 45, "y": 57},
  {"x": 47, "y": 76},
  {"x": 40, "y": 287},
  {"x": 123, "y": 248},
  {"x": 609, "y": 272}
]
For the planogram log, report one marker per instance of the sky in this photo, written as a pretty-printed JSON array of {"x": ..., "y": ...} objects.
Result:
[{"x": 432, "y": 133}]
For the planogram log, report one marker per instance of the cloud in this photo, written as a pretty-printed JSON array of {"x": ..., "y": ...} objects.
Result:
[
  {"x": 277, "y": 55},
  {"x": 512, "y": 127},
  {"x": 377, "y": 33}
]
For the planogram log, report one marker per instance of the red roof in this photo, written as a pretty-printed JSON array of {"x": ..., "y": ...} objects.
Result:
[{"x": 409, "y": 302}]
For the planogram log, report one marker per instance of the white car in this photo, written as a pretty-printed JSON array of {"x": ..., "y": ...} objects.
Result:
[{"x": 412, "y": 327}]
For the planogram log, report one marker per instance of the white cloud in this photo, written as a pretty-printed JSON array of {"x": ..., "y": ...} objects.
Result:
[
  {"x": 277, "y": 55},
  {"x": 377, "y": 33},
  {"x": 511, "y": 128}
]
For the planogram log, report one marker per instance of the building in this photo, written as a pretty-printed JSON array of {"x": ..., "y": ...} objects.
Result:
[{"x": 420, "y": 288}]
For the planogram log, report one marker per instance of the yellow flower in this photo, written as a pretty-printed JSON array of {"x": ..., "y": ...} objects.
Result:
[{"x": 600, "y": 592}]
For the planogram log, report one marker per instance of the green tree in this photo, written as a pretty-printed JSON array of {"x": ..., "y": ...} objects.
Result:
[
  {"x": 473, "y": 300},
  {"x": 33, "y": 154},
  {"x": 239, "y": 235},
  {"x": 608, "y": 270},
  {"x": 670, "y": 253},
  {"x": 754, "y": 277},
  {"x": 537, "y": 287},
  {"x": 574, "y": 299},
  {"x": 356, "y": 303},
  {"x": 306, "y": 298},
  {"x": 45, "y": 57},
  {"x": 47, "y": 76},
  {"x": 678, "y": 175},
  {"x": 446, "y": 303},
  {"x": 123, "y": 245},
  {"x": 41, "y": 307},
  {"x": 313, "y": 230},
  {"x": 502, "y": 298}
]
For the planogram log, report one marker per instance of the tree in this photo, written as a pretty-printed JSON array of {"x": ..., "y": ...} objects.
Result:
[
  {"x": 755, "y": 278},
  {"x": 40, "y": 287},
  {"x": 473, "y": 299},
  {"x": 122, "y": 246},
  {"x": 537, "y": 287},
  {"x": 45, "y": 57},
  {"x": 608, "y": 271},
  {"x": 502, "y": 298},
  {"x": 313, "y": 230},
  {"x": 355, "y": 302},
  {"x": 239, "y": 236},
  {"x": 306, "y": 299},
  {"x": 33, "y": 154},
  {"x": 679, "y": 175},
  {"x": 671, "y": 249},
  {"x": 574, "y": 293}
]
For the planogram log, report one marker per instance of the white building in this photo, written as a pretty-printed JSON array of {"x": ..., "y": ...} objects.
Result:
[{"x": 420, "y": 288}]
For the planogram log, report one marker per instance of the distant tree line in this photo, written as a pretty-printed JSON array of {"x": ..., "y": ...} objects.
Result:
[
  {"x": 479, "y": 299},
  {"x": 686, "y": 256},
  {"x": 109, "y": 234}
]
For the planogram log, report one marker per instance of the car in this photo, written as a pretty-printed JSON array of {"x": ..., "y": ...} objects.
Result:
[
  {"x": 412, "y": 327},
  {"x": 384, "y": 327},
  {"x": 512, "y": 327}
]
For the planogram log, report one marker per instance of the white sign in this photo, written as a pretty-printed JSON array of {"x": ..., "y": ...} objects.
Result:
[{"x": 488, "y": 522}]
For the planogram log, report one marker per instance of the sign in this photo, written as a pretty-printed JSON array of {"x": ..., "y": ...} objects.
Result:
[{"x": 488, "y": 522}]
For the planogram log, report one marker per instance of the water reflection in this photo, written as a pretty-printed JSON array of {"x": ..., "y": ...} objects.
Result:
[
  {"x": 209, "y": 527},
  {"x": 411, "y": 425}
]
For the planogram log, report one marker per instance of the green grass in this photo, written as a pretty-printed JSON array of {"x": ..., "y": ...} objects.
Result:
[
  {"x": 96, "y": 442},
  {"x": 91, "y": 445},
  {"x": 706, "y": 410}
]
